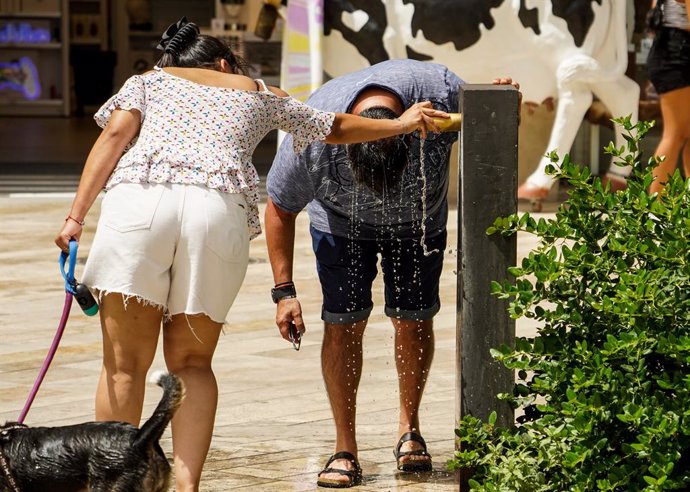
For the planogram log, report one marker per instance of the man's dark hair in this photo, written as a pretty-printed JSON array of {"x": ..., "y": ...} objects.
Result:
[{"x": 378, "y": 164}]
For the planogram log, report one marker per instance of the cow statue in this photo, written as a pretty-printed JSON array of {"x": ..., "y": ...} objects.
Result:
[{"x": 567, "y": 50}]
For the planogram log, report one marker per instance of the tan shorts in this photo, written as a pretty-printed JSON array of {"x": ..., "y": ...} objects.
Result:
[{"x": 184, "y": 248}]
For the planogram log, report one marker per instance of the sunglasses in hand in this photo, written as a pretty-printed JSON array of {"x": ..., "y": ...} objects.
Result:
[{"x": 295, "y": 336}]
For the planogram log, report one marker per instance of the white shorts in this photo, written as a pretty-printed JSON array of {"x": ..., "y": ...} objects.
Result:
[{"x": 184, "y": 248}]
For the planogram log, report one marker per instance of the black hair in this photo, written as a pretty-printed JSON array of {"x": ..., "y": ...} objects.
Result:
[
  {"x": 378, "y": 164},
  {"x": 183, "y": 46}
]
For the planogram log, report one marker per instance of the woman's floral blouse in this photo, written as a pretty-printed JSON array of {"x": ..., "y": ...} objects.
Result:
[{"x": 204, "y": 135}]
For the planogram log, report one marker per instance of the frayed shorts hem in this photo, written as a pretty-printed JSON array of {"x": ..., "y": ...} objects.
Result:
[{"x": 99, "y": 293}]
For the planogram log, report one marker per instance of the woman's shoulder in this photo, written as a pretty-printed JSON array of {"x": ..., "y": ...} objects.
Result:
[{"x": 277, "y": 91}]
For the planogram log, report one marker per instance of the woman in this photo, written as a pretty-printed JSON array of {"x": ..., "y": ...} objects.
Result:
[
  {"x": 181, "y": 206},
  {"x": 669, "y": 70}
]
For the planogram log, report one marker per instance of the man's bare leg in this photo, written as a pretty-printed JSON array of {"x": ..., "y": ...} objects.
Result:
[
  {"x": 341, "y": 364},
  {"x": 414, "y": 351}
]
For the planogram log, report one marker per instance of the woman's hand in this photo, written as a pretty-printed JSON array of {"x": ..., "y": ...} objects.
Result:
[
  {"x": 70, "y": 230},
  {"x": 420, "y": 117}
]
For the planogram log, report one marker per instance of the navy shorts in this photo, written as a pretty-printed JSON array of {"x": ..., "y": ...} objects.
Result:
[
  {"x": 668, "y": 63},
  {"x": 347, "y": 268}
]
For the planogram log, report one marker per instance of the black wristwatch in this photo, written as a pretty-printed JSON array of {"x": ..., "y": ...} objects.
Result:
[{"x": 283, "y": 291}]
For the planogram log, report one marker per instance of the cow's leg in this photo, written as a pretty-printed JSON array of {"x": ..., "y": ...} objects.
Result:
[
  {"x": 621, "y": 97},
  {"x": 573, "y": 103}
]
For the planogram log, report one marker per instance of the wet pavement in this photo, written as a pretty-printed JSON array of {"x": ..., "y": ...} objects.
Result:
[{"x": 273, "y": 428}]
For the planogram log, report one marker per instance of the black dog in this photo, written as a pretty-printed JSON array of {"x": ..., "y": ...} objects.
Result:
[{"x": 95, "y": 456}]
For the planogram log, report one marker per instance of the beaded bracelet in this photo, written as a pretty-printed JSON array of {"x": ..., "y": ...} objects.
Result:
[{"x": 80, "y": 222}]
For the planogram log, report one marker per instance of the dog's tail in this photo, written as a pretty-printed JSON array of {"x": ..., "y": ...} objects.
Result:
[{"x": 173, "y": 393}]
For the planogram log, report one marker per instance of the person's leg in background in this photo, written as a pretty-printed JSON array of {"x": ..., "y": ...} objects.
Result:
[
  {"x": 686, "y": 159},
  {"x": 675, "y": 111},
  {"x": 189, "y": 342},
  {"x": 130, "y": 336}
]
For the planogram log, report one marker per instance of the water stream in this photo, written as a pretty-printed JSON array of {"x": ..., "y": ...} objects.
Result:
[{"x": 422, "y": 178}]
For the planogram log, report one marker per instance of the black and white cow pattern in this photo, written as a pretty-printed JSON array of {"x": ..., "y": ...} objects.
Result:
[{"x": 568, "y": 50}]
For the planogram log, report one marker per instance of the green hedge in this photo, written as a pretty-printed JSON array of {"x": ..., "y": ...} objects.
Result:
[{"x": 603, "y": 389}]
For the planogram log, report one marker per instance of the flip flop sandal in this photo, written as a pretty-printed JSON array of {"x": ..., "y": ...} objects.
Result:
[
  {"x": 412, "y": 465},
  {"x": 354, "y": 475}
]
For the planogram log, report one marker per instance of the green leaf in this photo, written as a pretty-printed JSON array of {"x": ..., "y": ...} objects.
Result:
[{"x": 602, "y": 382}]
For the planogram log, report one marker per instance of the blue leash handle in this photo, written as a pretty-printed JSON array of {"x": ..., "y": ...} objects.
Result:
[
  {"x": 80, "y": 291},
  {"x": 70, "y": 281}
]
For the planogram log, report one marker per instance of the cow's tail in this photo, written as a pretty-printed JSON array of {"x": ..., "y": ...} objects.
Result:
[{"x": 586, "y": 68}]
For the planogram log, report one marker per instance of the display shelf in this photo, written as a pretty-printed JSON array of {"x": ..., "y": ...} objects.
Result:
[
  {"x": 37, "y": 107},
  {"x": 89, "y": 23},
  {"x": 36, "y": 70},
  {"x": 30, "y": 46},
  {"x": 30, "y": 15}
]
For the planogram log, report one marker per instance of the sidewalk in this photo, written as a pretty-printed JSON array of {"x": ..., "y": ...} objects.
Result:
[{"x": 273, "y": 429}]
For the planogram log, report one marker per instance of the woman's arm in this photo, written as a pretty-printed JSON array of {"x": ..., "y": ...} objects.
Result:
[
  {"x": 105, "y": 153},
  {"x": 350, "y": 128}
]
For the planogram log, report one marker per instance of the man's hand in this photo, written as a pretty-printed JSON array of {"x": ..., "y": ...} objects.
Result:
[
  {"x": 509, "y": 81},
  {"x": 288, "y": 311}
]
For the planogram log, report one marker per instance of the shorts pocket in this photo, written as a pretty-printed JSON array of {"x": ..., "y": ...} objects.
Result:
[
  {"x": 227, "y": 233},
  {"x": 131, "y": 207}
]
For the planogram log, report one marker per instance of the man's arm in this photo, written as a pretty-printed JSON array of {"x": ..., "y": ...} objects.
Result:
[{"x": 280, "y": 241}]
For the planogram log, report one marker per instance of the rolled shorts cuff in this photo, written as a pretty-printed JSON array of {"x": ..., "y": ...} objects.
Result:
[
  {"x": 346, "y": 318},
  {"x": 417, "y": 315}
]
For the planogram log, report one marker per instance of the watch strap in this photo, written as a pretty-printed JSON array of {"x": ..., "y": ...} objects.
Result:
[{"x": 283, "y": 291}]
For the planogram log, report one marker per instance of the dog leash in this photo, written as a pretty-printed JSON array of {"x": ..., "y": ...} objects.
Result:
[{"x": 85, "y": 300}]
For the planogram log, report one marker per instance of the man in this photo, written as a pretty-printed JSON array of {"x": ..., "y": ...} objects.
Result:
[{"x": 364, "y": 200}]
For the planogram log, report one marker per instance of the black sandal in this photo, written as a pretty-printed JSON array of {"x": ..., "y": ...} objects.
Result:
[
  {"x": 412, "y": 465},
  {"x": 354, "y": 475}
]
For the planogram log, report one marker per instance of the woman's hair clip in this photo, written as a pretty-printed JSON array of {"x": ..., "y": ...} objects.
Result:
[{"x": 177, "y": 35}]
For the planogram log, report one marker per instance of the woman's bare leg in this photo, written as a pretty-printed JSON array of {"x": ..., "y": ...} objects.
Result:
[
  {"x": 189, "y": 342},
  {"x": 130, "y": 336}
]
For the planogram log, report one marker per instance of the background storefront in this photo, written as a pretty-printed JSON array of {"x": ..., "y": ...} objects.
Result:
[{"x": 61, "y": 59}]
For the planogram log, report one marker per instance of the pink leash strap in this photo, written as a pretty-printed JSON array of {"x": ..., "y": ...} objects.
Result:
[
  {"x": 69, "y": 294},
  {"x": 49, "y": 357}
]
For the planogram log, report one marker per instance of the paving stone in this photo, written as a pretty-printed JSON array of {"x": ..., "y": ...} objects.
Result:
[{"x": 273, "y": 429}]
